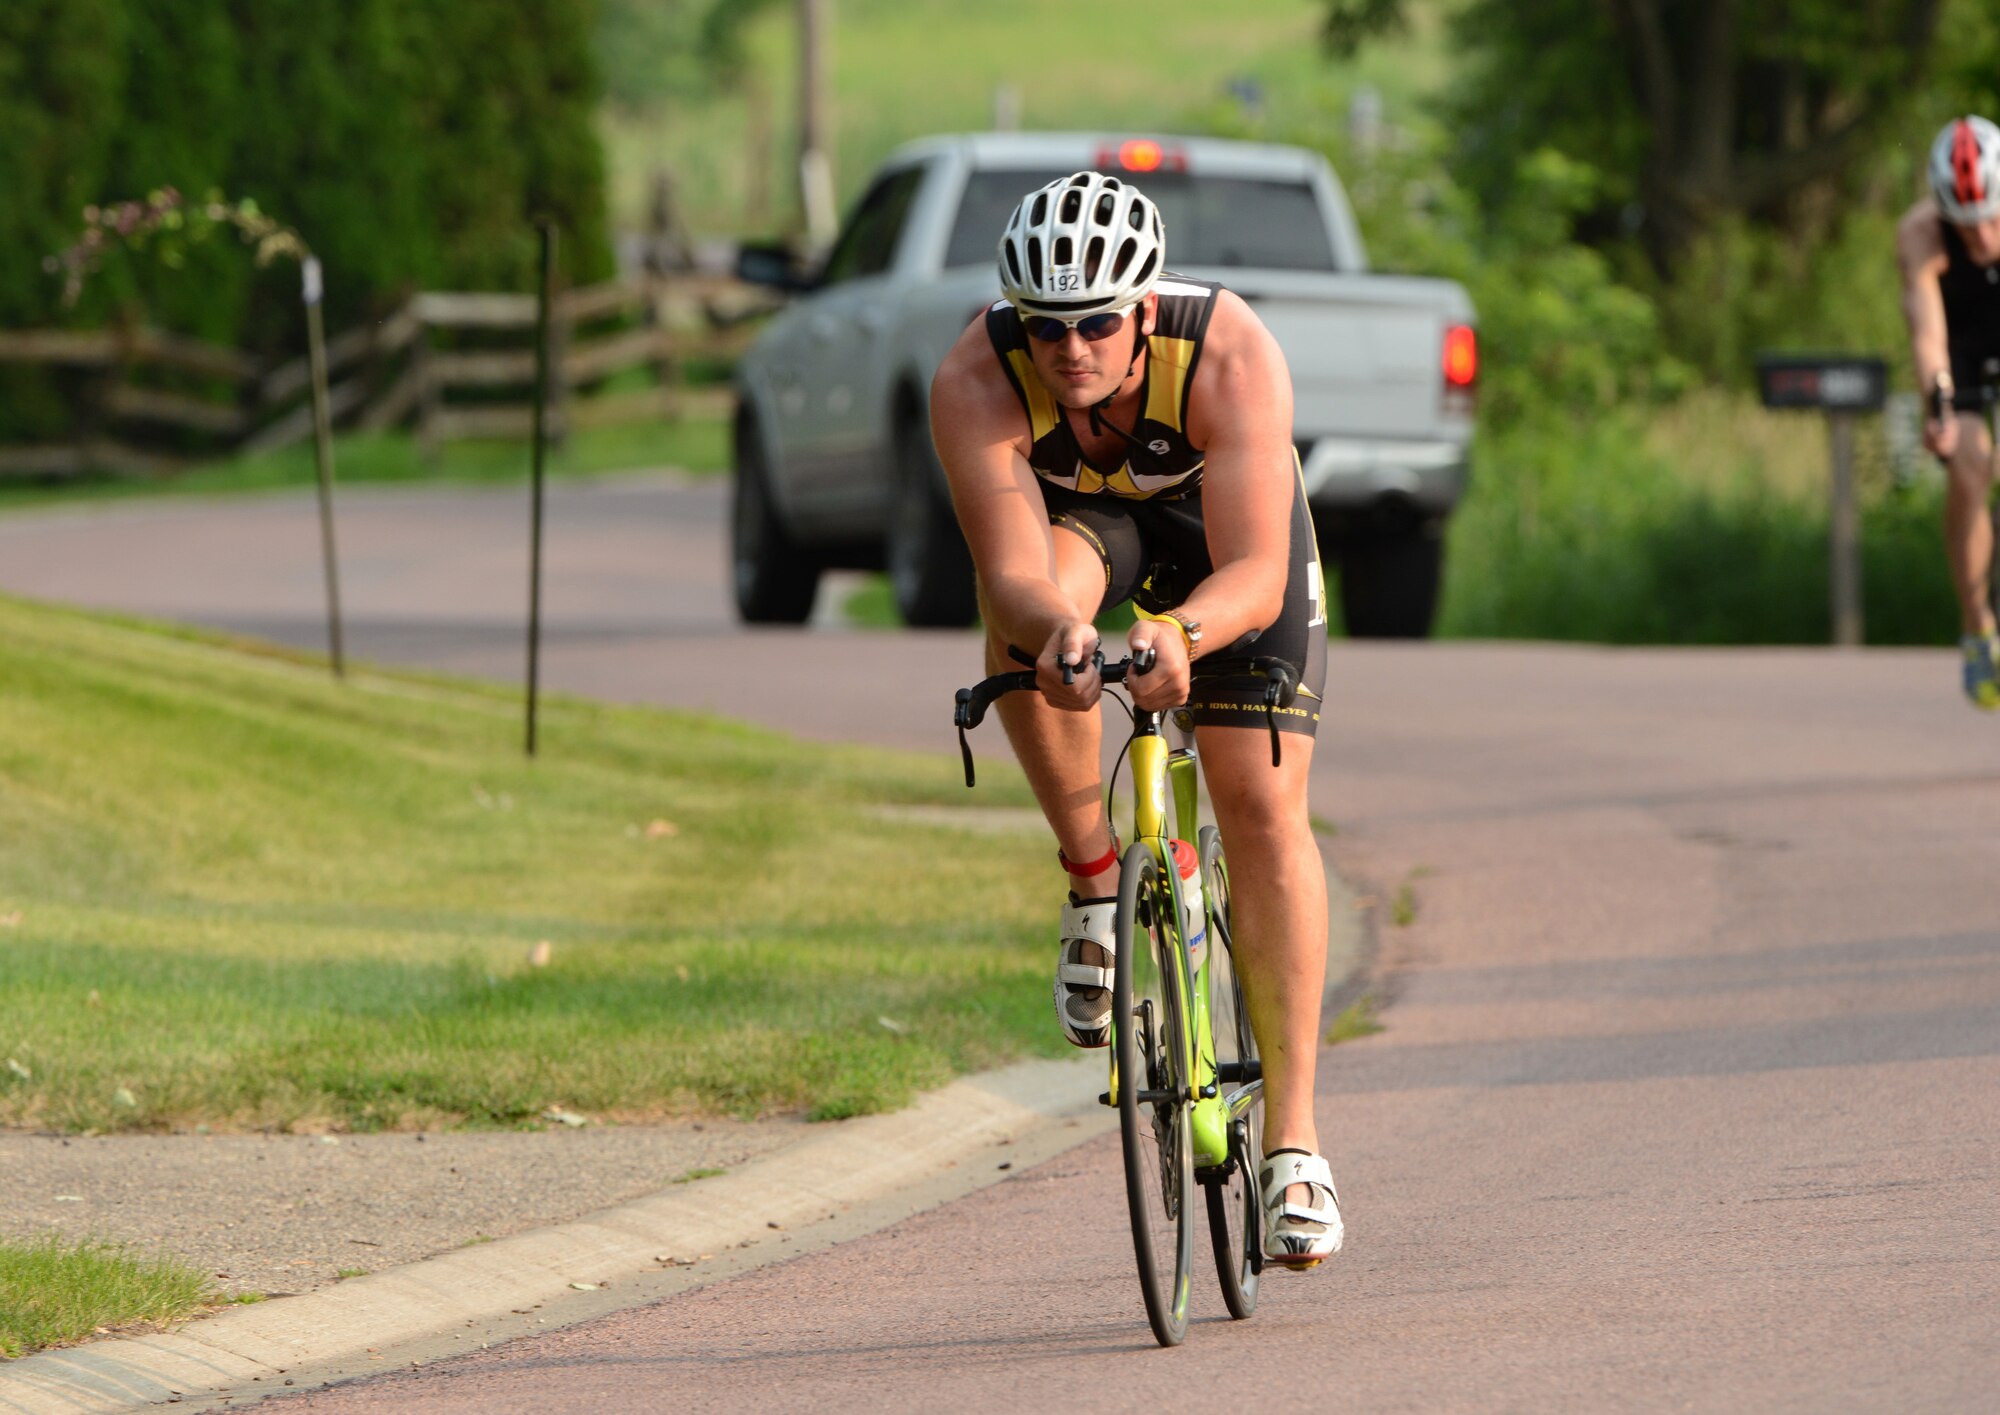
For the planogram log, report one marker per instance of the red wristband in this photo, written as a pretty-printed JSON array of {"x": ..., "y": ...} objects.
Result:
[{"x": 1091, "y": 867}]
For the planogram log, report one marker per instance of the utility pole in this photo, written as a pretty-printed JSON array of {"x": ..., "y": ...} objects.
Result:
[{"x": 815, "y": 162}]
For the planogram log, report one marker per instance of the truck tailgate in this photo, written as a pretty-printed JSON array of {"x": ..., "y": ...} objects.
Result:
[{"x": 1366, "y": 351}]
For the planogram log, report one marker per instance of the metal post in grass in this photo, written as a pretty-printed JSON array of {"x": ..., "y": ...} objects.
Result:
[
  {"x": 312, "y": 289},
  {"x": 168, "y": 224},
  {"x": 539, "y": 436},
  {"x": 1843, "y": 534},
  {"x": 1841, "y": 386}
]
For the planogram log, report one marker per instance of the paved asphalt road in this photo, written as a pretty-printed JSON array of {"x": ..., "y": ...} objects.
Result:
[{"x": 1689, "y": 1096}]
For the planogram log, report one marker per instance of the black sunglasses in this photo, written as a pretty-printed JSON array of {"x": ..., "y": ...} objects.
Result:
[{"x": 1093, "y": 327}]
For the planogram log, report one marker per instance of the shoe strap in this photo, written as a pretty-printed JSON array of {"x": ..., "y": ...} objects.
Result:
[{"x": 1284, "y": 1168}]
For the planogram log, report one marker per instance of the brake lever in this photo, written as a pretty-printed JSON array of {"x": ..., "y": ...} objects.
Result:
[{"x": 1069, "y": 669}]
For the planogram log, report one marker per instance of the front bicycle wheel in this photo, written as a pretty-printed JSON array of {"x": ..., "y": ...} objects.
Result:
[
  {"x": 1149, "y": 1034},
  {"x": 1235, "y": 1208}
]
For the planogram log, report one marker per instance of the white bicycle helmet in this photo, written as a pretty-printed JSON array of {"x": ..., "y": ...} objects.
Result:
[
  {"x": 1965, "y": 171},
  {"x": 1083, "y": 244}
]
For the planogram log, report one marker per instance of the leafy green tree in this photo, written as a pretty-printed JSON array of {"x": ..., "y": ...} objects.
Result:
[
  {"x": 412, "y": 143},
  {"x": 1695, "y": 111}
]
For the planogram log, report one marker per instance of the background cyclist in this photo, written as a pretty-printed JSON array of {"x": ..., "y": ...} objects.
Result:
[
  {"x": 1948, "y": 247},
  {"x": 1111, "y": 432}
]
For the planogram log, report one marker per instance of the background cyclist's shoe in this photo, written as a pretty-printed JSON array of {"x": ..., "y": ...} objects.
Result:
[
  {"x": 1083, "y": 970},
  {"x": 1982, "y": 670},
  {"x": 1299, "y": 1235}
]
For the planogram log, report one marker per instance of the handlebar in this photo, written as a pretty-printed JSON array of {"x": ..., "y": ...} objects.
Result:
[
  {"x": 972, "y": 702},
  {"x": 1281, "y": 686}
]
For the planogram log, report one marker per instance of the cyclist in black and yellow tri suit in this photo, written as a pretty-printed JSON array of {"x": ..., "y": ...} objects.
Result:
[{"x": 1114, "y": 432}]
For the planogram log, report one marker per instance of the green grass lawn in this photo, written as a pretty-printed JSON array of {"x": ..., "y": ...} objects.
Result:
[
  {"x": 690, "y": 444},
  {"x": 236, "y": 893},
  {"x": 53, "y": 1293}
]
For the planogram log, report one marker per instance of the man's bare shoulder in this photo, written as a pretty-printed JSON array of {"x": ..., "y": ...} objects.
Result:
[
  {"x": 970, "y": 370},
  {"x": 1235, "y": 334},
  {"x": 1242, "y": 371},
  {"x": 1919, "y": 237},
  {"x": 971, "y": 393}
]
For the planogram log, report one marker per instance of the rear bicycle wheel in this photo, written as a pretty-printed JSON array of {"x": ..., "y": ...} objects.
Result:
[
  {"x": 1235, "y": 1208},
  {"x": 1149, "y": 1034}
]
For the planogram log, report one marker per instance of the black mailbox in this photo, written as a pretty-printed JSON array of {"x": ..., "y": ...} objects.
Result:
[{"x": 1836, "y": 383}]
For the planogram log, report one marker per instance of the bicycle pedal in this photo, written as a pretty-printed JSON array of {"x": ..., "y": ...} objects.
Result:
[{"x": 1104, "y": 1098}]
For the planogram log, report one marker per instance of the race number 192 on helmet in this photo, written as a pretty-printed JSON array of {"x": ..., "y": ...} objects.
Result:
[
  {"x": 1083, "y": 244},
  {"x": 1965, "y": 171}
]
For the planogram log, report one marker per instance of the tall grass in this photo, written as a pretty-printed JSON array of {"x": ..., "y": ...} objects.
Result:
[{"x": 1638, "y": 528}]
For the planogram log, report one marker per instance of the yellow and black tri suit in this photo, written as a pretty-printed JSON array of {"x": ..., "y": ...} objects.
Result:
[{"x": 1143, "y": 517}]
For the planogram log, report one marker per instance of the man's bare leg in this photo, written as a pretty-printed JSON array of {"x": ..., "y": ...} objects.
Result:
[
  {"x": 1968, "y": 530},
  {"x": 1277, "y": 902}
]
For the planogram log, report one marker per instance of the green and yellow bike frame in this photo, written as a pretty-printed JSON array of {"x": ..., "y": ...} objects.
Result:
[{"x": 1166, "y": 790}]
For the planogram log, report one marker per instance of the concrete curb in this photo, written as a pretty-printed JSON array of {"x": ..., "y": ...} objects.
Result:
[
  {"x": 850, "y": 1164},
  {"x": 428, "y": 1306}
]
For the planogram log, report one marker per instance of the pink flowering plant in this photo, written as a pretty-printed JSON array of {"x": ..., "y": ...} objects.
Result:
[{"x": 167, "y": 224}]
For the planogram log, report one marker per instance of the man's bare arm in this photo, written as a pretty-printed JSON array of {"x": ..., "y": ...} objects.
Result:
[
  {"x": 1920, "y": 256},
  {"x": 977, "y": 424}
]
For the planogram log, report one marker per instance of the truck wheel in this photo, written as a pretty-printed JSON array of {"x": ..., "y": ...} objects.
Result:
[
  {"x": 776, "y": 581},
  {"x": 930, "y": 569},
  {"x": 1389, "y": 584}
]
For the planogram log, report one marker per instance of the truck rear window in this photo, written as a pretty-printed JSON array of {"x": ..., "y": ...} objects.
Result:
[{"x": 1210, "y": 220}]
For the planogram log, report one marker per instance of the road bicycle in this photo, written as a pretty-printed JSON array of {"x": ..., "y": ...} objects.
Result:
[{"x": 1185, "y": 1076}]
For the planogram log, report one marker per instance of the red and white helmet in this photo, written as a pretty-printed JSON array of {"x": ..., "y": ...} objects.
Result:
[
  {"x": 1965, "y": 171},
  {"x": 1081, "y": 245}
]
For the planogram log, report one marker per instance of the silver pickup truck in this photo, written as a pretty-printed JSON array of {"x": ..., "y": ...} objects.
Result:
[{"x": 833, "y": 459}]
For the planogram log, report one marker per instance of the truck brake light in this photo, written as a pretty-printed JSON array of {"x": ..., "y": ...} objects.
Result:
[
  {"x": 1142, "y": 155},
  {"x": 1461, "y": 356}
]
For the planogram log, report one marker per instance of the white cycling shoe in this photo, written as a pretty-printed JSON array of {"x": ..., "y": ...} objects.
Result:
[
  {"x": 1299, "y": 1236},
  {"x": 1083, "y": 974}
]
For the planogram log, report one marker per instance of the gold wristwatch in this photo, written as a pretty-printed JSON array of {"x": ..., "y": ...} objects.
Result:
[{"x": 1190, "y": 630}]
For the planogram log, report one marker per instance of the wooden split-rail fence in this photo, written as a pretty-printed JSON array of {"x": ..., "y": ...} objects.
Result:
[{"x": 449, "y": 365}]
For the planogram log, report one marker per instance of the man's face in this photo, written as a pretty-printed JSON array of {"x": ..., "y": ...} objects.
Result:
[
  {"x": 1982, "y": 240},
  {"x": 1080, "y": 374}
]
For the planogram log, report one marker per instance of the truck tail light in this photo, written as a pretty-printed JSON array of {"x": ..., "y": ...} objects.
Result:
[{"x": 1461, "y": 357}]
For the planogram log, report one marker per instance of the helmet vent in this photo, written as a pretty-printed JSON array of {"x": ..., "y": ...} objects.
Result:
[
  {"x": 1107, "y": 207},
  {"x": 1127, "y": 248},
  {"x": 1146, "y": 270},
  {"x": 1041, "y": 211},
  {"x": 1013, "y": 262},
  {"x": 1065, "y": 251},
  {"x": 1034, "y": 260},
  {"x": 1072, "y": 205},
  {"x": 1136, "y": 219},
  {"x": 1093, "y": 257},
  {"x": 1081, "y": 179}
]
